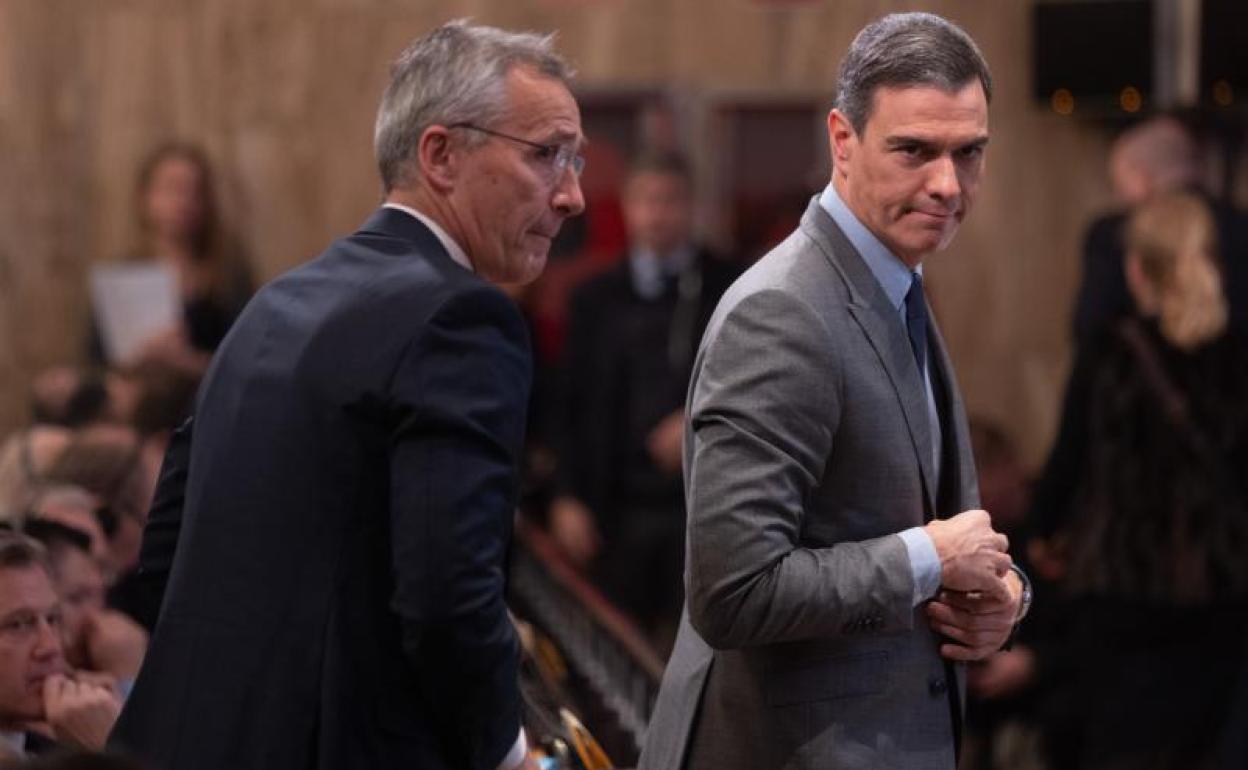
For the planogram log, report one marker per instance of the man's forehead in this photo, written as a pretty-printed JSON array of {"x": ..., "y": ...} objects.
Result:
[
  {"x": 25, "y": 587},
  {"x": 543, "y": 104},
  {"x": 893, "y": 107}
]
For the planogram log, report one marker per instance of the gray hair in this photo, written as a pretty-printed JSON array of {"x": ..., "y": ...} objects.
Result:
[
  {"x": 906, "y": 49},
  {"x": 454, "y": 74}
]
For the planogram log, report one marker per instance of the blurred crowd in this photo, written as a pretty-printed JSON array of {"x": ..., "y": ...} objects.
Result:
[
  {"x": 1135, "y": 532},
  {"x": 76, "y": 484}
]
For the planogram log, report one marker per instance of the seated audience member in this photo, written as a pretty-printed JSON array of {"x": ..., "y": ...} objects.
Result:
[
  {"x": 25, "y": 459},
  {"x": 72, "y": 397},
  {"x": 112, "y": 463},
  {"x": 95, "y": 637},
  {"x": 1144, "y": 499},
  {"x": 633, "y": 332},
  {"x": 43, "y": 702},
  {"x": 74, "y": 507},
  {"x": 162, "y": 400},
  {"x": 179, "y": 226}
]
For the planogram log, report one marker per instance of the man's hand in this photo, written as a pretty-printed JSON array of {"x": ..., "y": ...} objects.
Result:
[
  {"x": 972, "y": 555},
  {"x": 79, "y": 712},
  {"x": 976, "y": 623},
  {"x": 664, "y": 442},
  {"x": 572, "y": 526}
]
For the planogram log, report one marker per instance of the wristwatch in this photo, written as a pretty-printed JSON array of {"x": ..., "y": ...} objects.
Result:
[{"x": 1024, "y": 605}]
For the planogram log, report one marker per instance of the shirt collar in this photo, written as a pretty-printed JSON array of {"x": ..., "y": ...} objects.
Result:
[
  {"x": 16, "y": 741},
  {"x": 457, "y": 253},
  {"x": 649, "y": 271},
  {"x": 893, "y": 275}
]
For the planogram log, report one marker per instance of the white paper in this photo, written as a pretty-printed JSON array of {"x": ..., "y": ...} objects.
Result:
[{"x": 133, "y": 303}]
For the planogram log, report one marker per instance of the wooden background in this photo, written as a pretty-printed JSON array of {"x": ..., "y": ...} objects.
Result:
[{"x": 282, "y": 94}]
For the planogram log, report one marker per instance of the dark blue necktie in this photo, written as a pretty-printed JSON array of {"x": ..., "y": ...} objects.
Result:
[{"x": 916, "y": 321}]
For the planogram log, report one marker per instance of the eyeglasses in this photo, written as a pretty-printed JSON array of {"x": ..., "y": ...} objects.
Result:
[{"x": 560, "y": 157}]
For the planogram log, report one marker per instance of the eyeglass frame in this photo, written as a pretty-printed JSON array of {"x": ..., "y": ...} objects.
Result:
[{"x": 564, "y": 156}]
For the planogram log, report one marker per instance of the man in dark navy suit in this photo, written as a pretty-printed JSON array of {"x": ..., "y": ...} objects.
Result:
[{"x": 336, "y": 597}]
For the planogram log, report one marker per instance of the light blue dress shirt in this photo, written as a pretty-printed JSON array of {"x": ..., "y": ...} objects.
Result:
[
  {"x": 650, "y": 271},
  {"x": 895, "y": 278}
]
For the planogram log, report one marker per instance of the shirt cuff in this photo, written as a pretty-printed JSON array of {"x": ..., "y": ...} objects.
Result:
[
  {"x": 924, "y": 563},
  {"x": 518, "y": 751}
]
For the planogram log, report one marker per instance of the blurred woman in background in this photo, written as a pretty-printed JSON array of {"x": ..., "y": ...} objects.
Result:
[
  {"x": 178, "y": 226},
  {"x": 1145, "y": 501}
]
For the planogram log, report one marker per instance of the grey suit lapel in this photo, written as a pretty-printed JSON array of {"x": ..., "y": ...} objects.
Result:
[{"x": 879, "y": 322}]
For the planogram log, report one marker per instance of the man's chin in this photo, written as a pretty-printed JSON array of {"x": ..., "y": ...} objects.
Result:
[
  {"x": 928, "y": 242},
  {"x": 525, "y": 270}
]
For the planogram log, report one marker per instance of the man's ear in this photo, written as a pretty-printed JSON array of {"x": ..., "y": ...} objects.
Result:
[
  {"x": 437, "y": 156},
  {"x": 842, "y": 139}
]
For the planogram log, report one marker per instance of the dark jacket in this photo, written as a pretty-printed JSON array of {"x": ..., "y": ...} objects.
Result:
[
  {"x": 628, "y": 360},
  {"x": 336, "y": 599}
]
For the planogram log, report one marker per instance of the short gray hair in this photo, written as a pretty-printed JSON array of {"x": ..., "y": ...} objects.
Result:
[
  {"x": 906, "y": 49},
  {"x": 454, "y": 74}
]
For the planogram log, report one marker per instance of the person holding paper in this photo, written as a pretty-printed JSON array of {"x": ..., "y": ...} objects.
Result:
[{"x": 175, "y": 295}]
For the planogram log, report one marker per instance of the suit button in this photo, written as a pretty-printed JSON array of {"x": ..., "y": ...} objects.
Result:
[{"x": 937, "y": 687}]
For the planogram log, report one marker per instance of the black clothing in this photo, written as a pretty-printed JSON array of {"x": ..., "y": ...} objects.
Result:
[
  {"x": 1154, "y": 530},
  {"x": 628, "y": 363}
]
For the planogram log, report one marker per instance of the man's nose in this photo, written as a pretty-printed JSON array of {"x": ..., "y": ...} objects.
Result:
[
  {"x": 568, "y": 199},
  {"x": 942, "y": 180},
  {"x": 47, "y": 641}
]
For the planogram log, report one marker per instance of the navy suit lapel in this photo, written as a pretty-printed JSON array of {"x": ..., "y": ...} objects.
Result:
[{"x": 882, "y": 326}]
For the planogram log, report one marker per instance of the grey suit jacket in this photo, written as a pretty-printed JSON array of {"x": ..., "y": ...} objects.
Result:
[{"x": 807, "y": 448}]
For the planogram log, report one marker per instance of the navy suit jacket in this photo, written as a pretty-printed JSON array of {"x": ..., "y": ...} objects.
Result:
[{"x": 341, "y": 513}]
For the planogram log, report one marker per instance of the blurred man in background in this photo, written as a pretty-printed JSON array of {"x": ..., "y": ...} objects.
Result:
[{"x": 632, "y": 334}]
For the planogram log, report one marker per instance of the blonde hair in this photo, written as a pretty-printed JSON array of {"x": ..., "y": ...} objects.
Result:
[{"x": 1174, "y": 238}]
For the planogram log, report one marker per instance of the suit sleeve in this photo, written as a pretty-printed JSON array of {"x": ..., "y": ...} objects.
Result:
[
  {"x": 164, "y": 524},
  {"x": 460, "y": 393},
  {"x": 764, "y": 414}
]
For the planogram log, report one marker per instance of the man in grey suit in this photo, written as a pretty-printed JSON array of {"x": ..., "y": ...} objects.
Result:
[{"x": 838, "y": 571}]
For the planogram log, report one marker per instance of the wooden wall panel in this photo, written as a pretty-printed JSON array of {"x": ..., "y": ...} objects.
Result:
[{"x": 282, "y": 95}]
